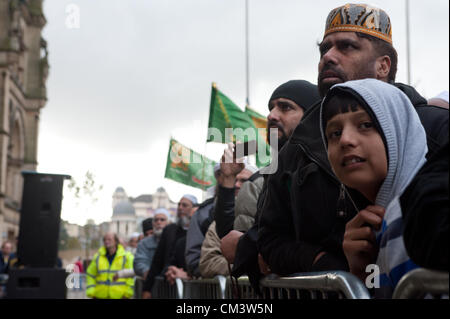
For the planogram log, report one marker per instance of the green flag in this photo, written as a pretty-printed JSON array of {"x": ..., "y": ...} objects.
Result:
[
  {"x": 223, "y": 114},
  {"x": 260, "y": 122},
  {"x": 188, "y": 167}
]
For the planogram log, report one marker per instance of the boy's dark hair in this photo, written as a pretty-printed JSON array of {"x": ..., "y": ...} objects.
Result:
[
  {"x": 383, "y": 48},
  {"x": 342, "y": 100},
  {"x": 338, "y": 103}
]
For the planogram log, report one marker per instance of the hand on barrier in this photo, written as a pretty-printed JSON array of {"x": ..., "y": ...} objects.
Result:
[
  {"x": 174, "y": 272},
  {"x": 146, "y": 295},
  {"x": 360, "y": 247},
  {"x": 228, "y": 245}
]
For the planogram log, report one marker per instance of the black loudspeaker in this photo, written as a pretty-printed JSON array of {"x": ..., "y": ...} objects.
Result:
[
  {"x": 36, "y": 283},
  {"x": 40, "y": 219}
]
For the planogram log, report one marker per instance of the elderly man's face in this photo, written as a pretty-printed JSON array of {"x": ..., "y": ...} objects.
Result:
[
  {"x": 133, "y": 242},
  {"x": 159, "y": 221},
  {"x": 344, "y": 57},
  {"x": 109, "y": 241},
  {"x": 184, "y": 207},
  {"x": 6, "y": 249}
]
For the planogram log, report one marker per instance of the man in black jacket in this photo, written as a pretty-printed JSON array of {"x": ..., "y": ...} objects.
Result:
[
  {"x": 304, "y": 214},
  {"x": 287, "y": 105},
  {"x": 172, "y": 238},
  {"x": 5, "y": 257}
]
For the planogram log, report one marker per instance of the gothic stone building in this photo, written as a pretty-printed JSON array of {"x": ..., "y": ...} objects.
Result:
[{"x": 23, "y": 74}]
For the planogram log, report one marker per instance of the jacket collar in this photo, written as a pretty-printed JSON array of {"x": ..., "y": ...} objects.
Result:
[
  {"x": 119, "y": 252},
  {"x": 307, "y": 135}
]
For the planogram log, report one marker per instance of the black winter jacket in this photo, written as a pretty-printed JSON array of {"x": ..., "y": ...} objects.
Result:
[
  {"x": 224, "y": 211},
  {"x": 425, "y": 208},
  {"x": 303, "y": 213},
  {"x": 164, "y": 253}
]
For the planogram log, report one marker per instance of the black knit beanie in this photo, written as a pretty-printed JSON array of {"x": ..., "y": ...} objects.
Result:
[
  {"x": 147, "y": 224},
  {"x": 302, "y": 92}
]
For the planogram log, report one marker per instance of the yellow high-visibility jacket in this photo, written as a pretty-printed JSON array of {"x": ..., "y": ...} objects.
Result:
[{"x": 100, "y": 273}]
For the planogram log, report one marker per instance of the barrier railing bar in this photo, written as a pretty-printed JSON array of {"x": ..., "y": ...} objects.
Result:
[
  {"x": 323, "y": 285},
  {"x": 350, "y": 285},
  {"x": 421, "y": 281}
]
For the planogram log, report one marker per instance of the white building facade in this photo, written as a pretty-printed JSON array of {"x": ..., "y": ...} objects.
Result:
[{"x": 128, "y": 212}]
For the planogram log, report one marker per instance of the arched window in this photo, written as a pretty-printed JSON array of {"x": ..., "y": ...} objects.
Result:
[{"x": 15, "y": 162}]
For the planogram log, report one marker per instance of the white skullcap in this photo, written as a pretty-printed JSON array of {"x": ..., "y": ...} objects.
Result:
[
  {"x": 250, "y": 167},
  {"x": 135, "y": 235},
  {"x": 191, "y": 198},
  {"x": 162, "y": 211}
]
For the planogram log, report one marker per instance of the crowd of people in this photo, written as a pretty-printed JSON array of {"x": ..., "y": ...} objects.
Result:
[{"x": 362, "y": 179}]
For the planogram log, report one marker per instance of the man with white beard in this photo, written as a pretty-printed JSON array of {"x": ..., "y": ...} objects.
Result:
[{"x": 152, "y": 229}]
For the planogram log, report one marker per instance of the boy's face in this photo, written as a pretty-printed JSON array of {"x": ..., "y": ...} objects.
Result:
[{"x": 356, "y": 152}]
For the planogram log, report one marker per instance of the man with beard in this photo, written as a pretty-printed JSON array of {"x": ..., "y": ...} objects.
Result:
[
  {"x": 167, "y": 246},
  {"x": 287, "y": 105},
  {"x": 152, "y": 228},
  {"x": 306, "y": 210}
]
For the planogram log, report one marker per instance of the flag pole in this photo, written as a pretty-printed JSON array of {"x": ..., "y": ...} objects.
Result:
[
  {"x": 247, "y": 101},
  {"x": 408, "y": 57}
]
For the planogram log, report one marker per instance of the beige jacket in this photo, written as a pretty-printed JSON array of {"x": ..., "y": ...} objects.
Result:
[
  {"x": 212, "y": 262},
  {"x": 245, "y": 205}
]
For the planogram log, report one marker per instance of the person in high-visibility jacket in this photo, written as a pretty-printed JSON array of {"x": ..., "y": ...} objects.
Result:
[{"x": 109, "y": 259}]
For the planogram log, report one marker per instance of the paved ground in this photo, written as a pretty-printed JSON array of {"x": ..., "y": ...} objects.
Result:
[{"x": 76, "y": 294}]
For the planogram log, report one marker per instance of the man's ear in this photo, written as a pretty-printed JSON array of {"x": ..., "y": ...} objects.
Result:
[{"x": 383, "y": 67}]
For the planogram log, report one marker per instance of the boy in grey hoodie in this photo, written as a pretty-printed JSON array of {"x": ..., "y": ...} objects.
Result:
[{"x": 376, "y": 144}]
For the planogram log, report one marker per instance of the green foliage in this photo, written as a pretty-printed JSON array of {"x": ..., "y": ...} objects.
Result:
[
  {"x": 87, "y": 189},
  {"x": 73, "y": 243}
]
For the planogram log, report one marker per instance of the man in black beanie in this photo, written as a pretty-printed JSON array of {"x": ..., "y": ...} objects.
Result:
[
  {"x": 287, "y": 105},
  {"x": 147, "y": 226}
]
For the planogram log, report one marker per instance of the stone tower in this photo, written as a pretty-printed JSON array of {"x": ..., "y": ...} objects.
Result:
[{"x": 23, "y": 74}]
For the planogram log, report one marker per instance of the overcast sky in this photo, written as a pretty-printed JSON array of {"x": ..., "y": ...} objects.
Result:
[{"x": 137, "y": 72}]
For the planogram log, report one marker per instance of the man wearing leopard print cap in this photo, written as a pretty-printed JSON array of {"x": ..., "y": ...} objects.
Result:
[{"x": 306, "y": 210}]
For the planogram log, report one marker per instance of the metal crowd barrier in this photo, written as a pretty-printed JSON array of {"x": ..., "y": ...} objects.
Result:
[
  {"x": 3, "y": 282},
  {"x": 211, "y": 288},
  {"x": 320, "y": 285},
  {"x": 317, "y": 285},
  {"x": 419, "y": 283},
  {"x": 422, "y": 283},
  {"x": 163, "y": 290}
]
